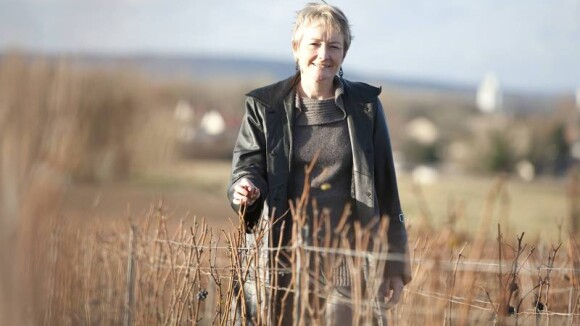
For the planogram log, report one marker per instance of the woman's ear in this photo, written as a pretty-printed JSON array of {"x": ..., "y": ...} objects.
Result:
[
  {"x": 295, "y": 50},
  {"x": 295, "y": 56}
]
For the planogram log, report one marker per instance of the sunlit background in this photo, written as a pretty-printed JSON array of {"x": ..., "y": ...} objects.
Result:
[
  {"x": 109, "y": 107},
  {"x": 530, "y": 45}
]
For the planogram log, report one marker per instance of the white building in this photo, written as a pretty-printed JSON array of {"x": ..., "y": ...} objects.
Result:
[
  {"x": 489, "y": 94},
  {"x": 423, "y": 131},
  {"x": 212, "y": 123}
]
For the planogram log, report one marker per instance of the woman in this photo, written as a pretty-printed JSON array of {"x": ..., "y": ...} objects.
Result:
[{"x": 318, "y": 116}]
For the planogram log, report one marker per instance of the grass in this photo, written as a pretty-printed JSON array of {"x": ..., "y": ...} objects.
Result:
[
  {"x": 206, "y": 175},
  {"x": 532, "y": 207},
  {"x": 462, "y": 273},
  {"x": 149, "y": 268},
  {"x": 535, "y": 208}
]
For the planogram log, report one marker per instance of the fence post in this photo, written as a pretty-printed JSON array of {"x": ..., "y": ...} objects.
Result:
[{"x": 130, "y": 294}]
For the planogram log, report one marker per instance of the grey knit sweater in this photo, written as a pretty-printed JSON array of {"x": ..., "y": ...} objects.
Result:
[{"x": 321, "y": 127}]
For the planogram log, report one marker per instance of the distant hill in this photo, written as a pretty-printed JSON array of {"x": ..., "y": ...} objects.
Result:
[
  {"x": 204, "y": 67},
  {"x": 193, "y": 67}
]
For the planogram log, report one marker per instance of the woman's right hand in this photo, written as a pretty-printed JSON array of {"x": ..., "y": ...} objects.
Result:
[{"x": 245, "y": 192}]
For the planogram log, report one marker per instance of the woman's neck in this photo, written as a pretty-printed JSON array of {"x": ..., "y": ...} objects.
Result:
[{"x": 317, "y": 90}]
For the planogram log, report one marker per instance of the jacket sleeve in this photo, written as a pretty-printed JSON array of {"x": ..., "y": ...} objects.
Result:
[
  {"x": 249, "y": 159},
  {"x": 398, "y": 261}
]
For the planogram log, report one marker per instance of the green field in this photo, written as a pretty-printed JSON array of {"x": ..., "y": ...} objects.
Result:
[{"x": 536, "y": 208}]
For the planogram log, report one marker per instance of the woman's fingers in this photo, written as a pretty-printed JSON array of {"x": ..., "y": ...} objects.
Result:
[
  {"x": 241, "y": 190},
  {"x": 240, "y": 194},
  {"x": 392, "y": 289},
  {"x": 245, "y": 192}
]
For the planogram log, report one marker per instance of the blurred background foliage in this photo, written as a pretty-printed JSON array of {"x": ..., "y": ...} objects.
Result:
[
  {"x": 104, "y": 123},
  {"x": 77, "y": 121},
  {"x": 69, "y": 128}
]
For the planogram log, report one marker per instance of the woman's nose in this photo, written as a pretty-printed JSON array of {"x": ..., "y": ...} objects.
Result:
[{"x": 323, "y": 52}]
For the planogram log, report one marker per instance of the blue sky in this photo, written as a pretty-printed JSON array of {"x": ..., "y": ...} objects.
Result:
[{"x": 529, "y": 44}]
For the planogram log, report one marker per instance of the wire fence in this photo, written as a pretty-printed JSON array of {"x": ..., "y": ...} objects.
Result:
[
  {"x": 443, "y": 268},
  {"x": 148, "y": 274},
  {"x": 447, "y": 265}
]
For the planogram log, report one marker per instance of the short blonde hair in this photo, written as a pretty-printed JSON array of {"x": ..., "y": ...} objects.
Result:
[{"x": 330, "y": 16}]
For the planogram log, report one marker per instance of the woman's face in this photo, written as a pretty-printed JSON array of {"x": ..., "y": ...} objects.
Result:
[{"x": 320, "y": 53}]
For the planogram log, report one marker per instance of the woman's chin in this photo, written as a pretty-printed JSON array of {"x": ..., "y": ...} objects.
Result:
[
  {"x": 318, "y": 78},
  {"x": 324, "y": 78}
]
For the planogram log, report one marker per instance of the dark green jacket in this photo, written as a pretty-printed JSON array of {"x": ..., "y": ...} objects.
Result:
[{"x": 263, "y": 154}]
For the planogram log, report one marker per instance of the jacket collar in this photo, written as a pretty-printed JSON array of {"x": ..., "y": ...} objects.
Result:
[{"x": 276, "y": 94}]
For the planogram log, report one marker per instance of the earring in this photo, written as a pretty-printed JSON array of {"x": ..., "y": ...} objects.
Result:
[
  {"x": 297, "y": 66},
  {"x": 340, "y": 72}
]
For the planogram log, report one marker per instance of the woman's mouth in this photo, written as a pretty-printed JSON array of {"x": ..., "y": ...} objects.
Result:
[{"x": 321, "y": 65}]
